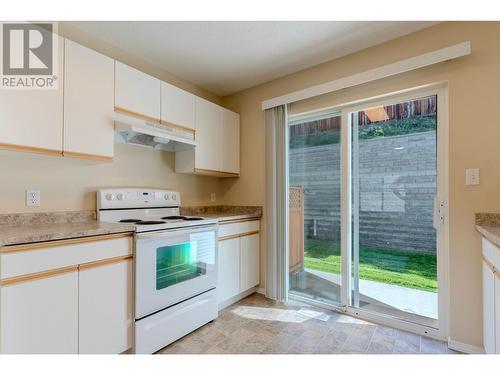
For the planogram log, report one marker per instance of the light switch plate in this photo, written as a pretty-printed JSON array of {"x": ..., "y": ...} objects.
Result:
[
  {"x": 472, "y": 176},
  {"x": 213, "y": 197},
  {"x": 33, "y": 198}
]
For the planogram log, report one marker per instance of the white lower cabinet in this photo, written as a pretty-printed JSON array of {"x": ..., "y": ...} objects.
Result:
[
  {"x": 488, "y": 309},
  {"x": 497, "y": 312},
  {"x": 105, "y": 305},
  {"x": 249, "y": 258},
  {"x": 491, "y": 298},
  {"x": 40, "y": 316},
  {"x": 228, "y": 276},
  {"x": 238, "y": 266},
  {"x": 67, "y": 296}
]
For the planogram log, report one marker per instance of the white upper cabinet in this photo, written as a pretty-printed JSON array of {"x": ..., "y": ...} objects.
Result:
[
  {"x": 178, "y": 107},
  {"x": 230, "y": 142},
  {"x": 31, "y": 120},
  {"x": 209, "y": 117},
  {"x": 137, "y": 92},
  {"x": 88, "y": 103},
  {"x": 218, "y": 136}
]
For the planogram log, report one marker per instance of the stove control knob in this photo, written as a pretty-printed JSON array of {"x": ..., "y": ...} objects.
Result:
[
  {"x": 167, "y": 197},
  {"x": 174, "y": 197},
  {"x": 110, "y": 196},
  {"x": 120, "y": 196}
]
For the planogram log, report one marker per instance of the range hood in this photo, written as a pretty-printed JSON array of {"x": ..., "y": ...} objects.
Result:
[{"x": 139, "y": 132}]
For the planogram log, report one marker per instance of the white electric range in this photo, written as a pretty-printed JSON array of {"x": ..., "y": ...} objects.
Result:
[{"x": 175, "y": 263}]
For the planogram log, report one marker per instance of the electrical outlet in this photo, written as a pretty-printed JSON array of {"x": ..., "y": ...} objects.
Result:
[
  {"x": 472, "y": 176},
  {"x": 32, "y": 198},
  {"x": 213, "y": 197}
]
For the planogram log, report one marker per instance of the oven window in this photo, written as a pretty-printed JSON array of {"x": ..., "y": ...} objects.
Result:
[{"x": 177, "y": 263}]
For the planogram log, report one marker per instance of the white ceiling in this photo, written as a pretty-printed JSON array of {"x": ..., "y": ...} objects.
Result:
[{"x": 227, "y": 57}]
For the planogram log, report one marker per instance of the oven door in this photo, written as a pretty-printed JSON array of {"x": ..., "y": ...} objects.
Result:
[{"x": 172, "y": 266}]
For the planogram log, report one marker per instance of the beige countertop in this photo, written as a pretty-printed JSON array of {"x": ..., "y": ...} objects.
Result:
[
  {"x": 224, "y": 213},
  {"x": 29, "y": 233},
  {"x": 488, "y": 224},
  {"x": 22, "y": 228},
  {"x": 21, "y": 234},
  {"x": 490, "y": 233}
]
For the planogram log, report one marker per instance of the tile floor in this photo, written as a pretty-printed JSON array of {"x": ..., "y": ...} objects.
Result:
[{"x": 257, "y": 325}]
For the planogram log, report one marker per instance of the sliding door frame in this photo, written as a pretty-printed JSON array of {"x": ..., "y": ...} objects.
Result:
[{"x": 441, "y": 217}]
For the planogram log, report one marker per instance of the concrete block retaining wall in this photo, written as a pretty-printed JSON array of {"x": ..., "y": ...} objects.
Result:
[{"x": 397, "y": 183}]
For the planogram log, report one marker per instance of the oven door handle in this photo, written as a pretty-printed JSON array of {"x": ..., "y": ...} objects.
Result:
[{"x": 175, "y": 232}]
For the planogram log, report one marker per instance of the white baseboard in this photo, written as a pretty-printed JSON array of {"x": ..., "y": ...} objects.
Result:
[
  {"x": 261, "y": 291},
  {"x": 230, "y": 301},
  {"x": 464, "y": 348}
]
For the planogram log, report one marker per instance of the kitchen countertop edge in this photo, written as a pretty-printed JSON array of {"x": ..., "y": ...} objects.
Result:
[
  {"x": 224, "y": 217},
  {"x": 27, "y": 234},
  {"x": 491, "y": 233}
]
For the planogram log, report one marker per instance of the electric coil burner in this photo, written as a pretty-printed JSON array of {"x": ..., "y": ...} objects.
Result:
[{"x": 175, "y": 264}]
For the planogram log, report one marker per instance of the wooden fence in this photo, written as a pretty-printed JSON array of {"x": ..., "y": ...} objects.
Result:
[
  {"x": 419, "y": 107},
  {"x": 296, "y": 228},
  {"x": 414, "y": 108}
]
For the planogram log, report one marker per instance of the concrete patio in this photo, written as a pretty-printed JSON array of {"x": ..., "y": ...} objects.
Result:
[{"x": 380, "y": 297}]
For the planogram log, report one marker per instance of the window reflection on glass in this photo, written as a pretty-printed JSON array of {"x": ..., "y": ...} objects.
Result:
[{"x": 177, "y": 263}]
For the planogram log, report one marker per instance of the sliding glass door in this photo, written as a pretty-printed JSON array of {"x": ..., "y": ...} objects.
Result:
[
  {"x": 314, "y": 209},
  {"x": 367, "y": 208},
  {"x": 394, "y": 187}
]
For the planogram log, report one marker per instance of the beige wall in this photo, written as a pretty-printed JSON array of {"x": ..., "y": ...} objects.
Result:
[
  {"x": 474, "y": 132},
  {"x": 68, "y": 184}
]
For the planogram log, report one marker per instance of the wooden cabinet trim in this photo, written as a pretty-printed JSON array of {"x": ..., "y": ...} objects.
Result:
[
  {"x": 37, "y": 275},
  {"x": 239, "y": 221},
  {"x": 65, "y": 242},
  {"x": 180, "y": 127},
  {"x": 491, "y": 267},
  {"x": 30, "y": 149},
  {"x": 216, "y": 173},
  {"x": 138, "y": 115},
  {"x": 154, "y": 120},
  {"x": 104, "y": 262},
  {"x": 59, "y": 271},
  {"x": 249, "y": 233},
  {"x": 225, "y": 238},
  {"x": 82, "y": 155},
  {"x": 46, "y": 151}
]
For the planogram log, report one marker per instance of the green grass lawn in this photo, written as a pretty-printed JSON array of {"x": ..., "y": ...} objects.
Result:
[{"x": 408, "y": 269}]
